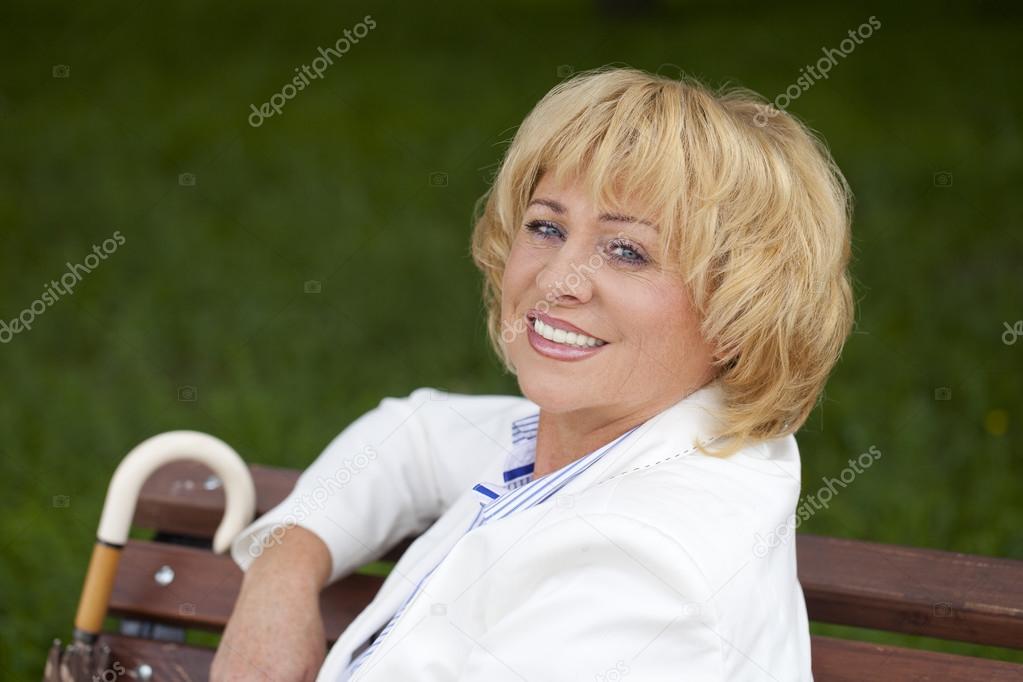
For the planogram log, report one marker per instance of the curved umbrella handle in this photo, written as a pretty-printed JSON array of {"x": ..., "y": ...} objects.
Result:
[
  {"x": 122, "y": 496},
  {"x": 150, "y": 455}
]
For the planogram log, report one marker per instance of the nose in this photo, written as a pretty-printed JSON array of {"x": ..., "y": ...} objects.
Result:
[{"x": 567, "y": 277}]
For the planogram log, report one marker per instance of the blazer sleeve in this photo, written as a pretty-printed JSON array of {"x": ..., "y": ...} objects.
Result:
[
  {"x": 598, "y": 597},
  {"x": 388, "y": 475}
]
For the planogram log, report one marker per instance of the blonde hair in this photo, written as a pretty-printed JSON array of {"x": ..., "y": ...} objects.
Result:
[{"x": 752, "y": 211}]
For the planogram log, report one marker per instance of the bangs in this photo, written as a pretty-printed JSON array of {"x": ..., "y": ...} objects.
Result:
[{"x": 624, "y": 148}]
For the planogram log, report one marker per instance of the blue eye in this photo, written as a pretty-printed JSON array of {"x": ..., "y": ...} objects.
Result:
[
  {"x": 632, "y": 255},
  {"x": 622, "y": 251},
  {"x": 537, "y": 228}
]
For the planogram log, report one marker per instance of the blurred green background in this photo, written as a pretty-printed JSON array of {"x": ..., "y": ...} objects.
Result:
[{"x": 277, "y": 282}]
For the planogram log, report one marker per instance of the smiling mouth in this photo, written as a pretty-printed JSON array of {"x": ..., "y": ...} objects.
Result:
[{"x": 565, "y": 337}]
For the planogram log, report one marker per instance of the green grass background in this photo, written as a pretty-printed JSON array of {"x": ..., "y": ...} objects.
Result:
[{"x": 208, "y": 290}]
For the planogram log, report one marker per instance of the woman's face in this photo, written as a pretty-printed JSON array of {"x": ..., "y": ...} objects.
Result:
[{"x": 579, "y": 267}]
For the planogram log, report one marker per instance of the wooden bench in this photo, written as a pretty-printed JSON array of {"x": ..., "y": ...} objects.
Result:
[{"x": 886, "y": 587}]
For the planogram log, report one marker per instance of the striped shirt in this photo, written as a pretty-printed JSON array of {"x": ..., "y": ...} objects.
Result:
[{"x": 516, "y": 492}]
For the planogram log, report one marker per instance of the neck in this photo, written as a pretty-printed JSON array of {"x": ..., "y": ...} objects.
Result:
[{"x": 562, "y": 438}]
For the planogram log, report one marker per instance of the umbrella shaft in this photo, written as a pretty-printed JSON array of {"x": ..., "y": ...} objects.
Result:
[{"x": 99, "y": 583}]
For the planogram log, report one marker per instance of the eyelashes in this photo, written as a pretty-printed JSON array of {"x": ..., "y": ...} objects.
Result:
[{"x": 634, "y": 257}]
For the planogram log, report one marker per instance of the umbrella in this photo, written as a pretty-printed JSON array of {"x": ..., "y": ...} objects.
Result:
[{"x": 86, "y": 657}]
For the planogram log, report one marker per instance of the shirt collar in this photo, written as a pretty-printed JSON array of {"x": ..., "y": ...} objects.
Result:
[
  {"x": 500, "y": 501},
  {"x": 519, "y": 464},
  {"x": 694, "y": 418}
]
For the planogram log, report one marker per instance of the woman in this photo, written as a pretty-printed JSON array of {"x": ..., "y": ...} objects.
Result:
[{"x": 666, "y": 275}]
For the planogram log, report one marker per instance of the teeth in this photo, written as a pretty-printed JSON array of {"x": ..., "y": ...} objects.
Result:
[{"x": 568, "y": 338}]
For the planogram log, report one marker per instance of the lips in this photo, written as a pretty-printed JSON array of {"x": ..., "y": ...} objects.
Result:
[{"x": 559, "y": 324}]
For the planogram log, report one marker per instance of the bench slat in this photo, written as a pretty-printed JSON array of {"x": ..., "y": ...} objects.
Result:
[
  {"x": 178, "y": 497},
  {"x": 848, "y": 582},
  {"x": 170, "y": 662},
  {"x": 840, "y": 660},
  {"x": 912, "y": 590},
  {"x": 834, "y": 660},
  {"x": 206, "y": 585}
]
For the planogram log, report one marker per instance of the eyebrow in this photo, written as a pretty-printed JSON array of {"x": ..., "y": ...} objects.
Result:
[{"x": 603, "y": 217}]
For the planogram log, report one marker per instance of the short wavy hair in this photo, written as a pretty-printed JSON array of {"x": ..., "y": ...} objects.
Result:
[{"x": 753, "y": 210}]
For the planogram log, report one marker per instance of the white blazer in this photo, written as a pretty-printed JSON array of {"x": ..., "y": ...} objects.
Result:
[{"x": 655, "y": 563}]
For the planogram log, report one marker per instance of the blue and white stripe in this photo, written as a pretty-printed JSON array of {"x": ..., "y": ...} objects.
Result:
[
  {"x": 497, "y": 501},
  {"x": 518, "y": 468}
]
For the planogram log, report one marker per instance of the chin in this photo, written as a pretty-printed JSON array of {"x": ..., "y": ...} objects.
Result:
[{"x": 551, "y": 392}]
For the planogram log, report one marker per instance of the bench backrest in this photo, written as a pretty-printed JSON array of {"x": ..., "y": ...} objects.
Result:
[{"x": 885, "y": 587}]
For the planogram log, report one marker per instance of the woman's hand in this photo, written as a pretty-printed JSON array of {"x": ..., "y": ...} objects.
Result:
[{"x": 276, "y": 631}]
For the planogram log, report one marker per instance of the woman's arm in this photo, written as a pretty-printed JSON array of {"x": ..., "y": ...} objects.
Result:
[
  {"x": 276, "y": 631},
  {"x": 389, "y": 475},
  {"x": 372, "y": 485}
]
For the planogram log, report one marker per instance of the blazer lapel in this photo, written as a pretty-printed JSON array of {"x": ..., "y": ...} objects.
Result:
[{"x": 671, "y": 433}]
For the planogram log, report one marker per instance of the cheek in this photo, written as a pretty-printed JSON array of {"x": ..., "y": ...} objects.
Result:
[
  {"x": 518, "y": 276},
  {"x": 661, "y": 319}
]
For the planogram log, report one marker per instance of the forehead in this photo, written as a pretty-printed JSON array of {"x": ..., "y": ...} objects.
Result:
[
  {"x": 571, "y": 190},
  {"x": 570, "y": 196}
]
